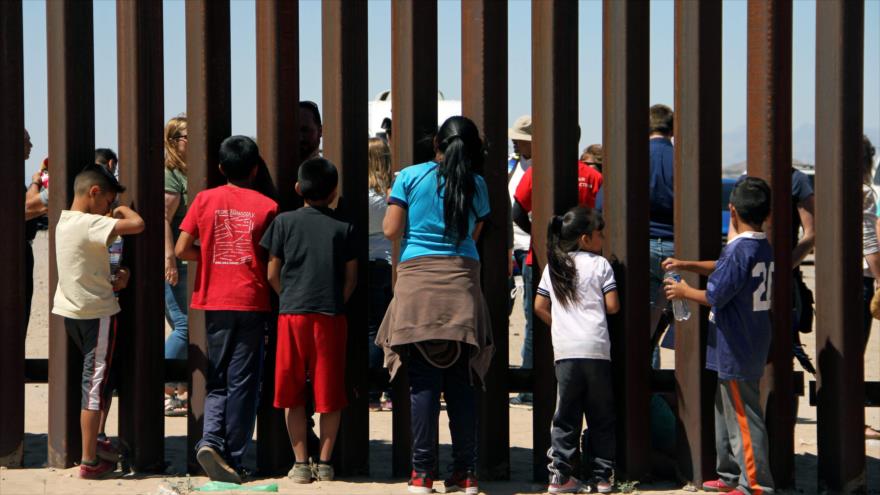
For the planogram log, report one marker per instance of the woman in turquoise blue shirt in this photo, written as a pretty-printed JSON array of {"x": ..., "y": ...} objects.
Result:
[{"x": 437, "y": 322}]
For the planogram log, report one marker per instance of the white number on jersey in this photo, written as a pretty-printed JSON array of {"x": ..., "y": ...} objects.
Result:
[{"x": 761, "y": 297}]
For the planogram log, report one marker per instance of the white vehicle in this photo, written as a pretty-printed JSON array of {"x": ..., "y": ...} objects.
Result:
[{"x": 380, "y": 109}]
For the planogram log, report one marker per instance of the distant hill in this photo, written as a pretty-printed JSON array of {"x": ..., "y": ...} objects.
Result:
[{"x": 803, "y": 146}]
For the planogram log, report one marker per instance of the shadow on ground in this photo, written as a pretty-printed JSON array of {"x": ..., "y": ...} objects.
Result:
[{"x": 806, "y": 465}]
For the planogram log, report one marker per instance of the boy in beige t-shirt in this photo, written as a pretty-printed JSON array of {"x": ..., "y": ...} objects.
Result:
[{"x": 84, "y": 295}]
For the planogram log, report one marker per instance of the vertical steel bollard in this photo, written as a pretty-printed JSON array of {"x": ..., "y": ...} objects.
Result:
[
  {"x": 71, "y": 81},
  {"x": 140, "y": 351},
  {"x": 555, "y": 180},
  {"x": 414, "y": 103},
  {"x": 484, "y": 100},
  {"x": 625, "y": 44},
  {"x": 697, "y": 224},
  {"x": 13, "y": 249},
  {"x": 345, "y": 144},
  {"x": 208, "y": 96},
  {"x": 839, "y": 341},
  {"x": 769, "y": 157},
  {"x": 277, "y": 131}
]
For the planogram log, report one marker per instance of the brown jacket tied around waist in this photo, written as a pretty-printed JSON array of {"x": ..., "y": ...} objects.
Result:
[{"x": 438, "y": 298}]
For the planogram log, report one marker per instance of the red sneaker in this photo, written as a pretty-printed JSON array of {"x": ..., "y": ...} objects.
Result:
[
  {"x": 717, "y": 486},
  {"x": 101, "y": 470},
  {"x": 107, "y": 451},
  {"x": 462, "y": 481},
  {"x": 420, "y": 483},
  {"x": 560, "y": 484}
]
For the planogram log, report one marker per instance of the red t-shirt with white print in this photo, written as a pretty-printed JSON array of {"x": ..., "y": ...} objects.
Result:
[{"x": 229, "y": 222}]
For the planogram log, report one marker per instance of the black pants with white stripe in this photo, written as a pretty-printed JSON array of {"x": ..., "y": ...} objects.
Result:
[
  {"x": 584, "y": 390},
  {"x": 96, "y": 339}
]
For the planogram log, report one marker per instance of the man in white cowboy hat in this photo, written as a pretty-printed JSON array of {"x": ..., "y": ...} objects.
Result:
[
  {"x": 589, "y": 184},
  {"x": 520, "y": 161}
]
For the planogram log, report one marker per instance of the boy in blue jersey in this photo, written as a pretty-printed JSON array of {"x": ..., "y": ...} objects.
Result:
[{"x": 738, "y": 290}]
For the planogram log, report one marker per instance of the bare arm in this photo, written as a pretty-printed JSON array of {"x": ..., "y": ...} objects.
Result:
[
  {"x": 681, "y": 290},
  {"x": 33, "y": 204},
  {"x": 612, "y": 302},
  {"x": 351, "y": 276},
  {"x": 185, "y": 248},
  {"x": 478, "y": 229},
  {"x": 542, "y": 309},
  {"x": 394, "y": 222},
  {"x": 700, "y": 267},
  {"x": 521, "y": 217},
  {"x": 274, "y": 273},
  {"x": 129, "y": 223},
  {"x": 806, "y": 211},
  {"x": 172, "y": 202}
]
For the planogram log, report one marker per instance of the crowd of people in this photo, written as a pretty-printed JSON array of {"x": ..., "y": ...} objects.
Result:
[{"x": 434, "y": 318}]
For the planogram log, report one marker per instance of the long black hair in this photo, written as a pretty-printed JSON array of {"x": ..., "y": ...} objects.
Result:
[
  {"x": 562, "y": 238},
  {"x": 459, "y": 141}
]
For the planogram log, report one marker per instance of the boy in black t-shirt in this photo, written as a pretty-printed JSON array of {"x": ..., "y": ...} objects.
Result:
[{"x": 313, "y": 267}]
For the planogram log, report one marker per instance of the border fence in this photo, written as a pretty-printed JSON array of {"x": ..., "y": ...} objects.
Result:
[{"x": 839, "y": 388}]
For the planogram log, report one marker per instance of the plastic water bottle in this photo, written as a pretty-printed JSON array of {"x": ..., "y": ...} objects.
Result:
[{"x": 680, "y": 308}]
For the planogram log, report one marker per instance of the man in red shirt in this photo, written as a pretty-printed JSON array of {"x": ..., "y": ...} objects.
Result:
[
  {"x": 589, "y": 183},
  {"x": 232, "y": 289}
]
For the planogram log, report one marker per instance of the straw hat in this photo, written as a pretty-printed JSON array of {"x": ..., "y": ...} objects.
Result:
[{"x": 522, "y": 129}]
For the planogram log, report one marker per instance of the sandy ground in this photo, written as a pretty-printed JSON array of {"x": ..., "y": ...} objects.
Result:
[{"x": 35, "y": 478}]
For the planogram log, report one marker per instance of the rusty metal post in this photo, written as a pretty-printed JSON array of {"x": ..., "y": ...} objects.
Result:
[
  {"x": 839, "y": 344},
  {"x": 208, "y": 96},
  {"x": 344, "y": 33},
  {"x": 12, "y": 332},
  {"x": 414, "y": 114},
  {"x": 555, "y": 155},
  {"x": 769, "y": 157},
  {"x": 484, "y": 100},
  {"x": 697, "y": 224},
  {"x": 141, "y": 349},
  {"x": 277, "y": 134},
  {"x": 625, "y": 137},
  {"x": 71, "y": 81}
]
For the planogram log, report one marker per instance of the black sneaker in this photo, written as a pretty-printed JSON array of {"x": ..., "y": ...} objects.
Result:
[{"x": 216, "y": 467}]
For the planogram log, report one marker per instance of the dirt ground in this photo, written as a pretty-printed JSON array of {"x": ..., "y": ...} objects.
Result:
[{"x": 35, "y": 478}]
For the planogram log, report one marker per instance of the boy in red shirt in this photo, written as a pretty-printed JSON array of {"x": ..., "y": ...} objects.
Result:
[
  {"x": 232, "y": 289},
  {"x": 313, "y": 267}
]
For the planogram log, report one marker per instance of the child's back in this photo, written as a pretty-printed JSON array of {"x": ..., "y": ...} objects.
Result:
[
  {"x": 739, "y": 290},
  {"x": 314, "y": 247},
  {"x": 313, "y": 267},
  {"x": 576, "y": 291},
  {"x": 229, "y": 222},
  {"x": 232, "y": 289},
  {"x": 581, "y": 329},
  {"x": 84, "y": 288}
]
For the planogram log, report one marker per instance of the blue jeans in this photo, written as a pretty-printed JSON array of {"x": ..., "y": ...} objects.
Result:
[
  {"x": 176, "y": 314},
  {"x": 660, "y": 250},
  {"x": 426, "y": 383},
  {"x": 528, "y": 352},
  {"x": 235, "y": 361}
]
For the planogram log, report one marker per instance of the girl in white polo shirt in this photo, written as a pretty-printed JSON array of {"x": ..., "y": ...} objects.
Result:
[{"x": 577, "y": 290}]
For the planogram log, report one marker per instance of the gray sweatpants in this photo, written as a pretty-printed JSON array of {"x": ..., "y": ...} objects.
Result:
[{"x": 741, "y": 437}]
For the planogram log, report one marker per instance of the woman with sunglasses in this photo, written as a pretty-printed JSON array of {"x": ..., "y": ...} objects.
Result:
[{"x": 175, "y": 270}]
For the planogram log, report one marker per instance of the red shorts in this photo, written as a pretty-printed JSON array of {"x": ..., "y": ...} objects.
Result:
[{"x": 311, "y": 345}]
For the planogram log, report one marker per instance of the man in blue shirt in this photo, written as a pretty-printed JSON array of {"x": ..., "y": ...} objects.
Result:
[
  {"x": 738, "y": 290},
  {"x": 661, "y": 199}
]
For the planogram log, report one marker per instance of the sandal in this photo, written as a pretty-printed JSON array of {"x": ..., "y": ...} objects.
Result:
[{"x": 175, "y": 407}]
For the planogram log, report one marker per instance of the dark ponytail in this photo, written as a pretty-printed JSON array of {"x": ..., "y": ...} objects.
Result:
[
  {"x": 459, "y": 141},
  {"x": 563, "y": 234}
]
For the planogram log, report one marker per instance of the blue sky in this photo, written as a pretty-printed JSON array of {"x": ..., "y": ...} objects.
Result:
[{"x": 449, "y": 49}]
